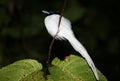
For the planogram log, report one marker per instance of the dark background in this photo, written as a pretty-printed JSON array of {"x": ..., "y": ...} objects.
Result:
[{"x": 94, "y": 22}]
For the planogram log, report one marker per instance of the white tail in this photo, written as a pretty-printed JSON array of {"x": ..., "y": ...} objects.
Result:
[{"x": 79, "y": 48}]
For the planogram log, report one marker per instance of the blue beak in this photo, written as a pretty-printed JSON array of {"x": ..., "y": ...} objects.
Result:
[
  {"x": 50, "y": 12},
  {"x": 46, "y": 12}
]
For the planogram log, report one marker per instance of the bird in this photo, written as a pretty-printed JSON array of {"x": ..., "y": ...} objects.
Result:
[{"x": 64, "y": 32}]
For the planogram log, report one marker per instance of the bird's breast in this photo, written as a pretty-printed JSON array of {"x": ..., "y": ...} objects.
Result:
[
  {"x": 52, "y": 22},
  {"x": 51, "y": 26}
]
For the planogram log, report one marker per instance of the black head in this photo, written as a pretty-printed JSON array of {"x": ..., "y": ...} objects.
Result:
[{"x": 50, "y": 12}]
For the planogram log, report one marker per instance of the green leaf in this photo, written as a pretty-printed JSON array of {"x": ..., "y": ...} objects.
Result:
[
  {"x": 73, "y": 68},
  {"x": 24, "y": 70}
]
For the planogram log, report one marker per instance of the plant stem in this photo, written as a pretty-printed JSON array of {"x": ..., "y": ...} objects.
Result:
[{"x": 53, "y": 40}]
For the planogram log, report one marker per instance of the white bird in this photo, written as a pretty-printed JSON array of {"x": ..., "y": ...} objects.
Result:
[{"x": 65, "y": 32}]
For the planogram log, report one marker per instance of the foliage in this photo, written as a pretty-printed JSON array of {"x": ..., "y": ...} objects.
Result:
[
  {"x": 94, "y": 22},
  {"x": 72, "y": 68},
  {"x": 23, "y": 70}
]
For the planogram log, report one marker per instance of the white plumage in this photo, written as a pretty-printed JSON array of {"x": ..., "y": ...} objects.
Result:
[{"x": 65, "y": 32}]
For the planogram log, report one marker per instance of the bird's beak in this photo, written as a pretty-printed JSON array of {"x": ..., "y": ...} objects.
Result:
[{"x": 45, "y": 12}]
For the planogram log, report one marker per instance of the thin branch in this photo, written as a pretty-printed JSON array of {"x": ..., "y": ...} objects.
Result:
[
  {"x": 52, "y": 42},
  {"x": 61, "y": 14}
]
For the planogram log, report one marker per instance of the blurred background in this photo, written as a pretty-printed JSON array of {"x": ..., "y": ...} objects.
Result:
[{"x": 94, "y": 22}]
